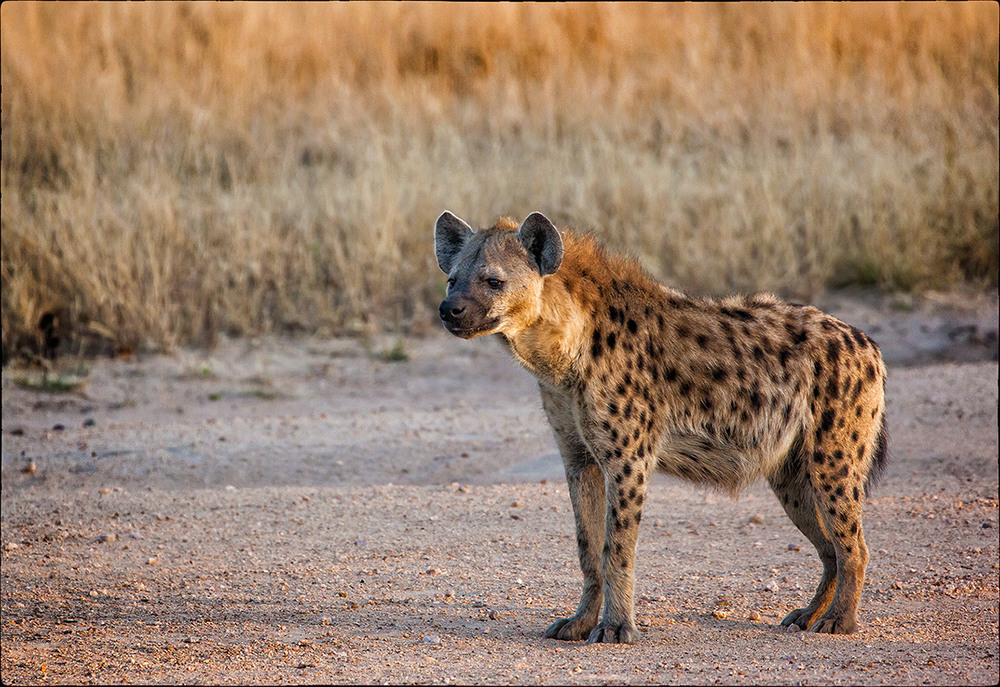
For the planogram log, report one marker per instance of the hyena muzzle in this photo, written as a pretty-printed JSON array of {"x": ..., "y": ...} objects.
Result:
[{"x": 635, "y": 376}]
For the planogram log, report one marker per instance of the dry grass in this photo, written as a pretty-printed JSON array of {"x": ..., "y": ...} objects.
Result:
[{"x": 175, "y": 171}]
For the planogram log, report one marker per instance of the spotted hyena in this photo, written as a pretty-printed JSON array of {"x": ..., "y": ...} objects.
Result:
[{"x": 635, "y": 376}]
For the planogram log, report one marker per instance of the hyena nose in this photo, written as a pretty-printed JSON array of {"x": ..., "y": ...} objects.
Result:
[{"x": 450, "y": 311}]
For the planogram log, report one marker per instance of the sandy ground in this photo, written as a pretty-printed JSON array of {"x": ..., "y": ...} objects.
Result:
[{"x": 311, "y": 511}]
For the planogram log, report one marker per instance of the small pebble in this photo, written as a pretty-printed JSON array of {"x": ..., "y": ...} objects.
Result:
[
  {"x": 771, "y": 586},
  {"x": 58, "y": 427},
  {"x": 432, "y": 639},
  {"x": 794, "y": 547},
  {"x": 89, "y": 422},
  {"x": 754, "y": 617},
  {"x": 107, "y": 536},
  {"x": 11, "y": 546}
]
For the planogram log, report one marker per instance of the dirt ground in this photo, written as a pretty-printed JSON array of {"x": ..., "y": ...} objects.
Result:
[{"x": 315, "y": 511}]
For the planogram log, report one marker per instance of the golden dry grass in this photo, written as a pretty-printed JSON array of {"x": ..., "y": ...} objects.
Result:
[{"x": 174, "y": 171}]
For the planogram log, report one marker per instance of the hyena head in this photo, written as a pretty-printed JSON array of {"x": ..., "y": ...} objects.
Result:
[{"x": 495, "y": 275}]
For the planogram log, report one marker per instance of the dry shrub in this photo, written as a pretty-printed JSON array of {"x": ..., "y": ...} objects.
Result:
[{"x": 175, "y": 171}]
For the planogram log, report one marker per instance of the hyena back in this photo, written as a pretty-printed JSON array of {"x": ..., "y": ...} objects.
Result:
[{"x": 635, "y": 376}]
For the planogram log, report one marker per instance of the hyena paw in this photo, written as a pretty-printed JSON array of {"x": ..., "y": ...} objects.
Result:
[
  {"x": 625, "y": 633},
  {"x": 835, "y": 626},
  {"x": 570, "y": 629},
  {"x": 797, "y": 620}
]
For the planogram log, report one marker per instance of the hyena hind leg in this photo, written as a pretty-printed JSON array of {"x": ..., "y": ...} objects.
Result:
[
  {"x": 839, "y": 492},
  {"x": 794, "y": 490}
]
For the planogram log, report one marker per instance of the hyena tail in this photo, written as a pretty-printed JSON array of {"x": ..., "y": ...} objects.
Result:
[{"x": 879, "y": 459}]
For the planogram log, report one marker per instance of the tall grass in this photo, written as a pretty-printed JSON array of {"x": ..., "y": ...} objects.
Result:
[{"x": 174, "y": 171}]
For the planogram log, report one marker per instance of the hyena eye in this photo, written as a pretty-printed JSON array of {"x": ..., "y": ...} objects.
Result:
[
  {"x": 451, "y": 282},
  {"x": 495, "y": 283}
]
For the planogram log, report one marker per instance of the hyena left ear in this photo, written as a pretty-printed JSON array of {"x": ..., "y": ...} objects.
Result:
[
  {"x": 450, "y": 235},
  {"x": 542, "y": 241}
]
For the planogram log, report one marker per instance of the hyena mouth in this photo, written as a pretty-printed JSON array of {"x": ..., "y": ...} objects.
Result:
[{"x": 466, "y": 332}]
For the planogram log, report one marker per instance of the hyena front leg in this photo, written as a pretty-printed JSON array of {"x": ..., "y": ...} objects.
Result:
[
  {"x": 623, "y": 449},
  {"x": 586, "y": 490},
  {"x": 625, "y": 487}
]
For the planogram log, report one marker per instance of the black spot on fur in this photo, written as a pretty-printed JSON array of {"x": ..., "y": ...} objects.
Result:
[
  {"x": 719, "y": 373},
  {"x": 702, "y": 341},
  {"x": 612, "y": 408},
  {"x": 833, "y": 351},
  {"x": 826, "y": 422},
  {"x": 669, "y": 374},
  {"x": 611, "y": 341},
  {"x": 870, "y": 371},
  {"x": 856, "y": 391},
  {"x": 860, "y": 337},
  {"x": 682, "y": 332},
  {"x": 632, "y": 327}
]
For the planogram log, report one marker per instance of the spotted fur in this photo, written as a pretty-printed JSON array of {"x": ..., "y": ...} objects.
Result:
[{"x": 635, "y": 376}]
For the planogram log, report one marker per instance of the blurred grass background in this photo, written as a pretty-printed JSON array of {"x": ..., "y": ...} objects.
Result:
[{"x": 173, "y": 172}]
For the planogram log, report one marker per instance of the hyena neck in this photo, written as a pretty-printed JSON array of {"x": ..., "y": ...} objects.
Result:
[{"x": 552, "y": 346}]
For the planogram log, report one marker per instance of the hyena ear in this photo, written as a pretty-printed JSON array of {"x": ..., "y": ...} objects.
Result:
[
  {"x": 542, "y": 241},
  {"x": 450, "y": 235}
]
